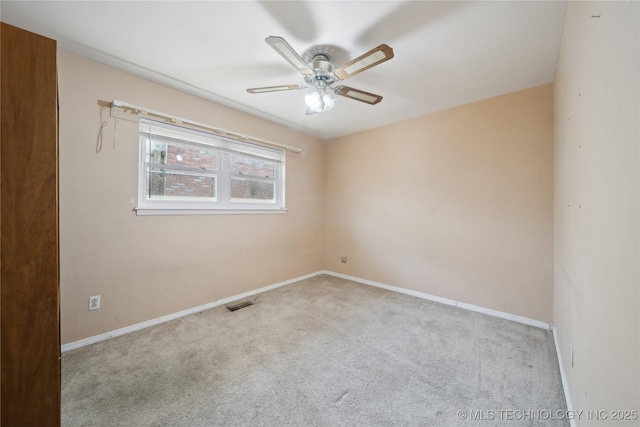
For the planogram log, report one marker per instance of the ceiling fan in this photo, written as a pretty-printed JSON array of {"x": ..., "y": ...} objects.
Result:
[{"x": 319, "y": 72}]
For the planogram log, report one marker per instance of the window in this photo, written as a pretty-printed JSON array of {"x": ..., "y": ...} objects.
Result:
[{"x": 186, "y": 171}]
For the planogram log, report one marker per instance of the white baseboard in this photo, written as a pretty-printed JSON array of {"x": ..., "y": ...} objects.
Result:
[
  {"x": 183, "y": 313},
  {"x": 490, "y": 312},
  {"x": 565, "y": 385},
  {"x": 169, "y": 317}
]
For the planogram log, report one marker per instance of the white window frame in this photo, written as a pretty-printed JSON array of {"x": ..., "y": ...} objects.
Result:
[{"x": 224, "y": 148}]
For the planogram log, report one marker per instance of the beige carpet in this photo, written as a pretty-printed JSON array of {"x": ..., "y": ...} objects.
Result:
[{"x": 320, "y": 352}]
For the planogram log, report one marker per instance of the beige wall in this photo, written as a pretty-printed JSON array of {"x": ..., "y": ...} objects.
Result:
[
  {"x": 457, "y": 204},
  {"x": 147, "y": 267},
  {"x": 597, "y": 299}
]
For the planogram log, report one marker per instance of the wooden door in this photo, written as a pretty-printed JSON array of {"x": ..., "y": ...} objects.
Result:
[{"x": 29, "y": 279}]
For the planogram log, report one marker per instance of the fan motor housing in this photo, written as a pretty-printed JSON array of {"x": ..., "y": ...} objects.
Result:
[{"x": 323, "y": 68}]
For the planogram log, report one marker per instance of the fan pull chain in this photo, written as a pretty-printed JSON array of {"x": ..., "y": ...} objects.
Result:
[
  {"x": 103, "y": 124},
  {"x": 115, "y": 129}
]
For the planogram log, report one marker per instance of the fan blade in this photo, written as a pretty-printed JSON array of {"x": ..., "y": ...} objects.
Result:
[
  {"x": 275, "y": 88},
  {"x": 281, "y": 46},
  {"x": 358, "y": 95},
  {"x": 370, "y": 59}
]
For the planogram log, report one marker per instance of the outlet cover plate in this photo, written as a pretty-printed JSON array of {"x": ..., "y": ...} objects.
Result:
[{"x": 94, "y": 302}]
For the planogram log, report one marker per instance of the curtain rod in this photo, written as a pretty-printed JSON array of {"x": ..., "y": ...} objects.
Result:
[{"x": 137, "y": 111}]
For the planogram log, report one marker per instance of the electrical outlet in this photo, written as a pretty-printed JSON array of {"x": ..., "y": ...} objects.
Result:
[
  {"x": 343, "y": 258},
  {"x": 94, "y": 302}
]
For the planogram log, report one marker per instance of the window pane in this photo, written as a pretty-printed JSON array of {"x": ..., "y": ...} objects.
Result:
[
  {"x": 157, "y": 152},
  {"x": 184, "y": 155},
  {"x": 245, "y": 165},
  {"x": 167, "y": 184},
  {"x": 247, "y": 190}
]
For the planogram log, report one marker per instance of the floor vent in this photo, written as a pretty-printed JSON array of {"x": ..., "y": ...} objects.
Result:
[{"x": 238, "y": 306}]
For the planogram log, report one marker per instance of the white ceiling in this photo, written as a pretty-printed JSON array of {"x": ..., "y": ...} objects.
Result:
[{"x": 446, "y": 53}]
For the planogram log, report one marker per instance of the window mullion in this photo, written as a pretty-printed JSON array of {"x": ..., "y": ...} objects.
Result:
[
  {"x": 225, "y": 179},
  {"x": 181, "y": 168},
  {"x": 279, "y": 176}
]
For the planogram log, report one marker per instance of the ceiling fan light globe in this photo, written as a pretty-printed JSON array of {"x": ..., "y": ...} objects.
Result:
[
  {"x": 314, "y": 102},
  {"x": 319, "y": 101},
  {"x": 328, "y": 102}
]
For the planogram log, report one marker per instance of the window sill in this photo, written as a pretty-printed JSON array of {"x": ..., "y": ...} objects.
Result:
[{"x": 160, "y": 212}]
